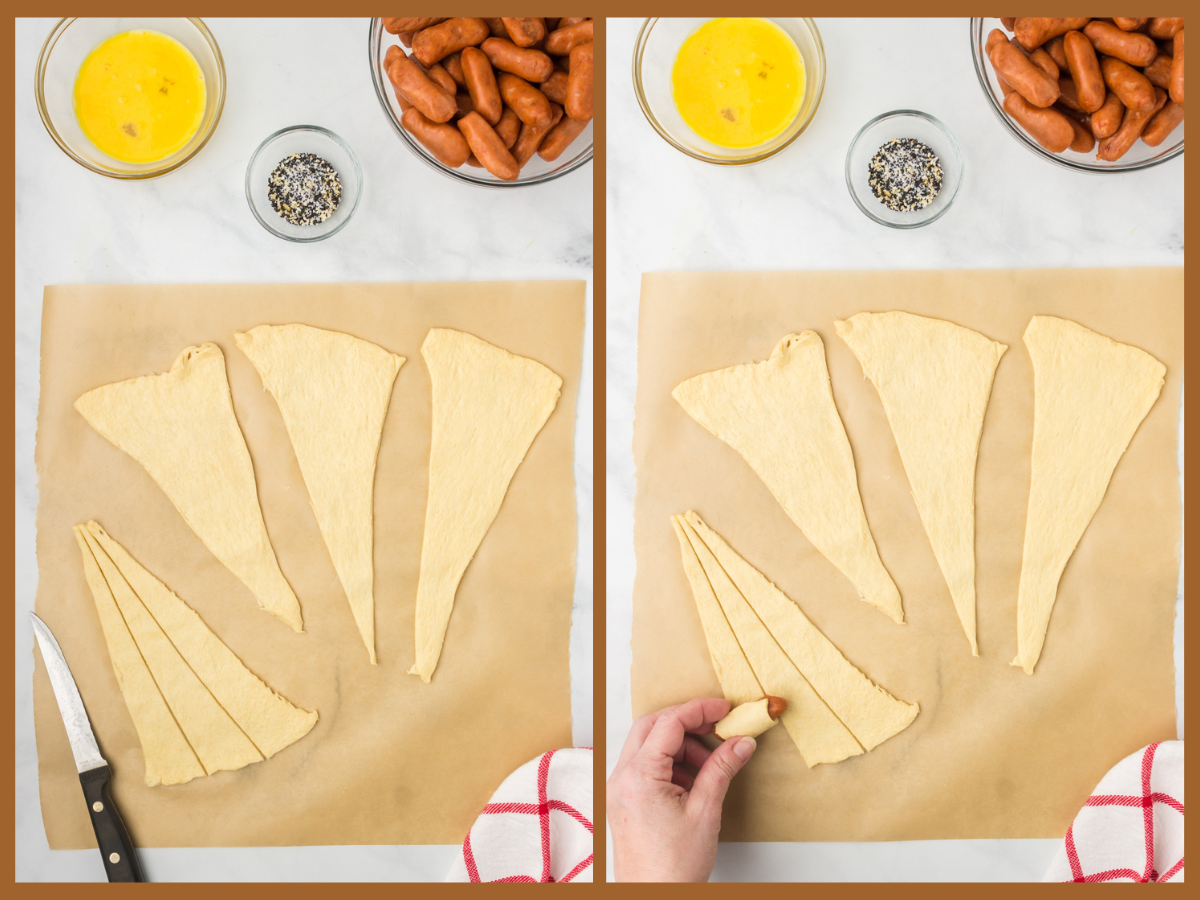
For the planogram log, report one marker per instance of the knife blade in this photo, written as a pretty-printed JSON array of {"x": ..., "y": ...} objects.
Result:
[{"x": 116, "y": 848}]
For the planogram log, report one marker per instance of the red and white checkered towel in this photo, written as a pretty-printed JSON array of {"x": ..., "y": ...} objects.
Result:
[
  {"x": 1131, "y": 828},
  {"x": 538, "y": 825}
]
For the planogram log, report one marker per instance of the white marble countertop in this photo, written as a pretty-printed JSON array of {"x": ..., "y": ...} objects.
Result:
[
  {"x": 194, "y": 226},
  {"x": 668, "y": 212}
]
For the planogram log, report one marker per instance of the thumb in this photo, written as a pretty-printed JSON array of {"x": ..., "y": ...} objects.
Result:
[{"x": 712, "y": 781}]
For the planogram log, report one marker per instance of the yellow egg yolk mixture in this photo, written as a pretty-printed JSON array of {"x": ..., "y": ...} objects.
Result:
[
  {"x": 738, "y": 82},
  {"x": 139, "y": 96}
]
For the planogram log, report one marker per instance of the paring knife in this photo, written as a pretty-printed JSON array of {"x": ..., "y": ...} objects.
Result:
[{"x": 120, "y": 860}]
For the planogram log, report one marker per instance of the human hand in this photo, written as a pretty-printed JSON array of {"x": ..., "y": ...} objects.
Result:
[{"x": 664, "y": 823}]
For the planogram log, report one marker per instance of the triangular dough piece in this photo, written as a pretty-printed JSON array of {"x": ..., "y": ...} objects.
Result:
[
  {"x": 215, "y": 737},
  {"x": 196, "y": 707},
  {"x": 267, "y": 719},
  {"x": 818, "y": 734},
  {"x": 180, "y": 426},
  {"x": 739, "y": 684},
  {"x": 780, "y": 416},
  {"x": 870, "y": 713},
  {"x": 1090, "y": 394},
  {"x": 934, "y": 379},
  {"x": 488, "y": 405},
  {"x": 333, "y": 391}
]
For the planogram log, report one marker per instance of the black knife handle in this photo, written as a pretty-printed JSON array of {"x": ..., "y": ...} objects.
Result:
[{"x": 120, "y": 860}]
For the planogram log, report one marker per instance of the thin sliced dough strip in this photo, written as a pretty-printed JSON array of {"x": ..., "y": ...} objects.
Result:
[
  {"x": 739, "y": 684},
  {"x": 196, "y": 707},
  {"x": 819, "y": 735},
  {"x": 833, "y": 710},
  {"x": 169, "y": 758}
]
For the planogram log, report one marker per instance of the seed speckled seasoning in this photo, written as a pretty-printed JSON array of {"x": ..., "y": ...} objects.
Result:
[
  {"x": 304, "y": 189},
  {"x": 905, "y": 175}
]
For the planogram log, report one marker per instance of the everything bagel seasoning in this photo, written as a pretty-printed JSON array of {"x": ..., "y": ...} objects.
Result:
[
  {"x": 905, "y": 175},
  {"x": 304, "y": 189}
]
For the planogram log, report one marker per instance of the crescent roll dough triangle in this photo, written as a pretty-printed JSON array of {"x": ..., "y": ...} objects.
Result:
[
  {"x": 870, "y": 713},
  {"x": 333, "y": 391},
  {"x": 818, "y": 734},
  {"x": 780, "y": 416},
  {"x": 196, "y": 707},
  {"x": 934, "y": 379},
  {"x": 180, "y": 426},
  {"x": 488, "y": 406},
  {"x": 1090, "y": 394}
]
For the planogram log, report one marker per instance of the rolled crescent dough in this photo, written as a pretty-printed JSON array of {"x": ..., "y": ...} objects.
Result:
[
  {"x": 488, "y": 406},
  {"x": 833, "y": 710},
  {"x": 1090, "y": 394},
  {"x": 934, "y": 379},
  {"x": 196, "y": 707},
  {"x": 180, "y": 426},
  {"x": 333, "y": 391},
  {"x": 780, "y": 416},
  {"x": 748, "y": 719}
]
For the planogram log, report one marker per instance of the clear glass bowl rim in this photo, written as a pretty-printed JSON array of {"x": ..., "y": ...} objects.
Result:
[
  {"x": 39, "y": 95},
  {"x": 357, "y": 172},
  {"x": 381, "y": 96},
  {"x": 940, "y": 126},
  {"x": 639, "y": 49},
  {"x": 1030, "y": 144}
]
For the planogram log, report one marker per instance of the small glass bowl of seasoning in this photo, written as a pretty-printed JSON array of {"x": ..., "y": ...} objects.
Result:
[
  {"x": 904, "y": 169},
  {"x": 303, "y": 183}
]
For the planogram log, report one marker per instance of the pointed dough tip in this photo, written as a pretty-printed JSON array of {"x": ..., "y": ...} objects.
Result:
[
  {"x": 896, "y": 616},
  {"x": 1020, "y": 665},
  {"x": 296, "y": 625}
]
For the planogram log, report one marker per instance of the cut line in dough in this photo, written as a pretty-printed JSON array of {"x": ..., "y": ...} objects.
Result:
[
  {"x": 488, "y": 406},
  {"x": 196, "y": 707},
  {"x": 934, "y": 379},
  {"x": 180, "y": 426},
  {"x": 1090, "y": 395},
  {"x": 834, "y": 711},
  {"x": 780, "y": 416},
  {"x": 333, "y": 390}
]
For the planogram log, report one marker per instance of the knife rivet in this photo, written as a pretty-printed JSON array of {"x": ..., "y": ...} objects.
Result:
[
  {"x": 114, "y": 858},
  {"x": 98, "y": 806}
]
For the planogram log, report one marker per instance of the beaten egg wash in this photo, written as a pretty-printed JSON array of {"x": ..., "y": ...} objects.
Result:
[
  {"x": 139, "y": 96},
  {"x": 738, "y": 82}
]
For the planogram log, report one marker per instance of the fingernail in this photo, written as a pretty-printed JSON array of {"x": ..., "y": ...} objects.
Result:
[{"x": 744, "y": 748}]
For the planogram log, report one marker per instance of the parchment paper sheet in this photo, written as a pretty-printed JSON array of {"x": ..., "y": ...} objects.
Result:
[
  {"x": 994, "y": 753},
  {"x": 391, "y": 760}
]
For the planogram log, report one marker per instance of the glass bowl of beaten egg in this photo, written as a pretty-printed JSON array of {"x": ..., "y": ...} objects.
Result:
[
  {"x": 71, "y": 43},
  {"x": 725, "y": 94}
]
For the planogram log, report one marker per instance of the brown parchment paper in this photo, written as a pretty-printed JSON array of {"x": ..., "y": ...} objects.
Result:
[
  {"x": 391, "y": 760},
  {"x": 994, "y": 753}
]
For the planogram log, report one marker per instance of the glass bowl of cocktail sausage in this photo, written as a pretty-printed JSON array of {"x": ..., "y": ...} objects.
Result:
[
  {"x": 502, "y": 102},
  {"x": 1094, "y": 95}
]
